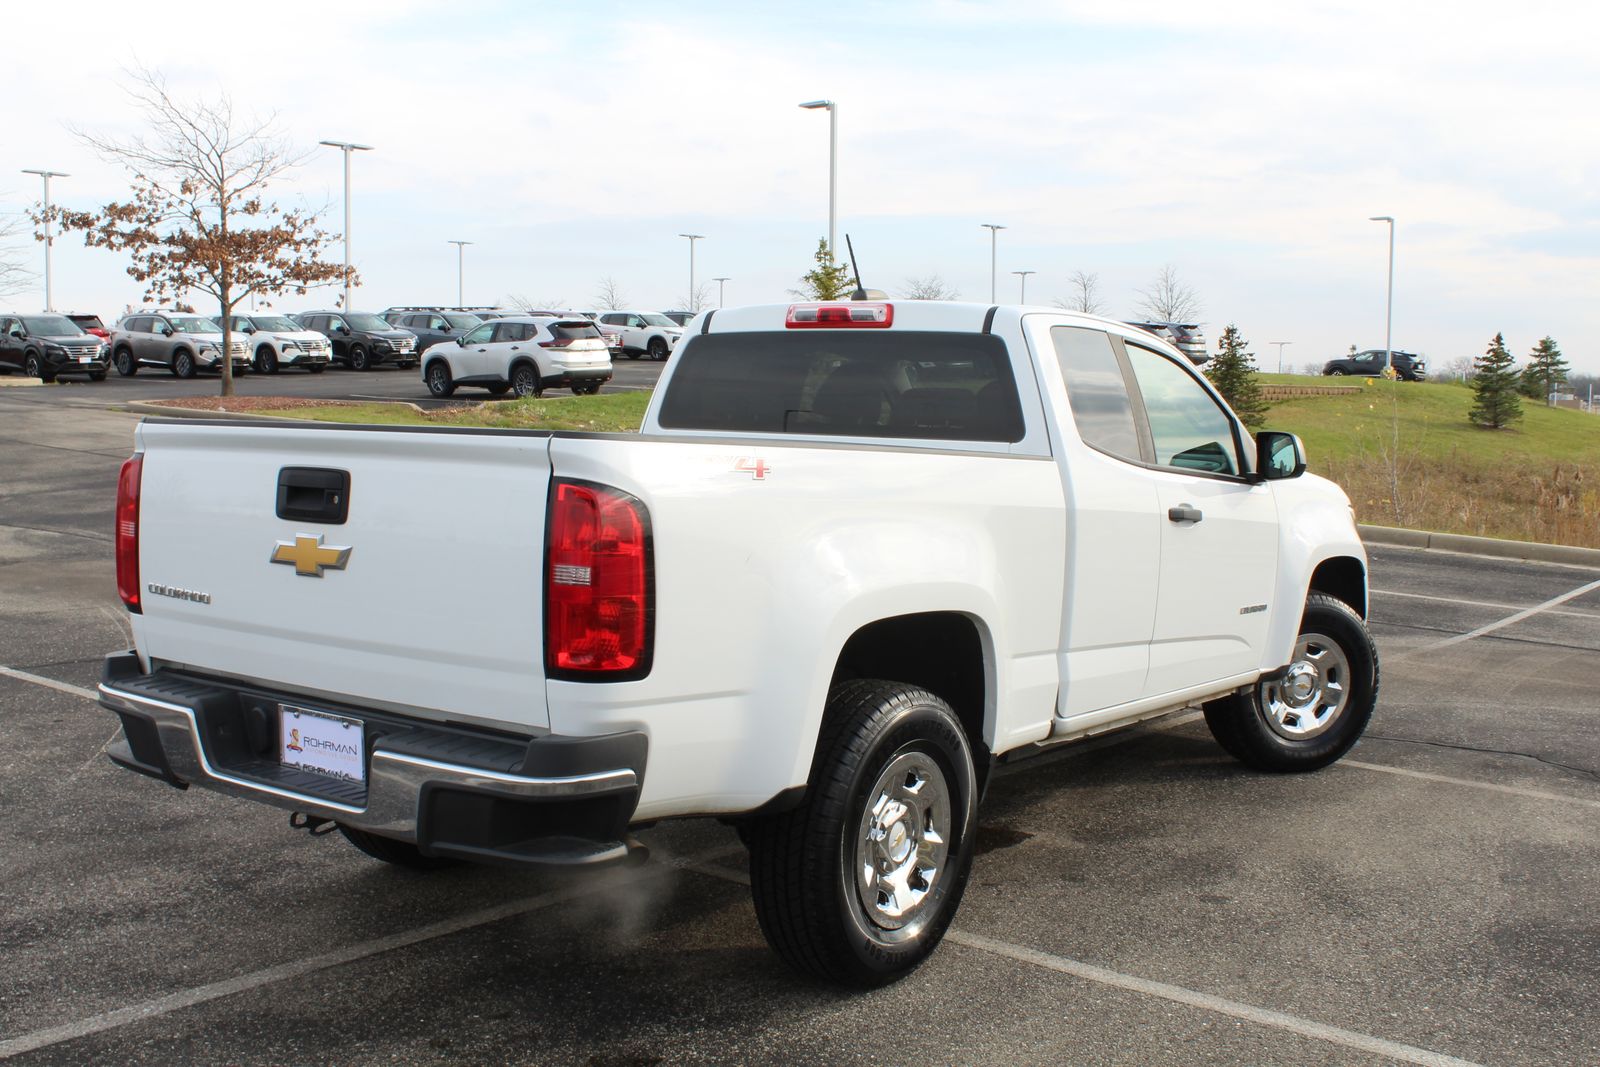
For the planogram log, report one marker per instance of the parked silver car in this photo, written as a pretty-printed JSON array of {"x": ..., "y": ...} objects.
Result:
[{"x": 179, "y": 341}]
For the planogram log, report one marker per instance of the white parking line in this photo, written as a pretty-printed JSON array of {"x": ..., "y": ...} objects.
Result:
[
  {"x": 1526, "y": 613},
  {"x": 1480, "y": 603},
  {"x": 1532, "y": 794},
  {"x": 1205, "y": 1001},
  {"x": 48, "y": 683},
  {"x": 188, "y": 998}
]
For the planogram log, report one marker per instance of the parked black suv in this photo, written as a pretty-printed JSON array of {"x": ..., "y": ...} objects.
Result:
[
  {"x": 1408, "y": 366},
  {"x": 362, "y": 340},
  {"x": 435, "y": 324},
  {"x": 43, "y": 346}
]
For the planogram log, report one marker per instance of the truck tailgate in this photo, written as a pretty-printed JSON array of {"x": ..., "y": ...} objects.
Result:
[{"x": 436, "y": 609}]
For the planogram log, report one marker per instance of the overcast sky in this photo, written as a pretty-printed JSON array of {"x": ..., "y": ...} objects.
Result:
[{"x": 1244, "y": 143}]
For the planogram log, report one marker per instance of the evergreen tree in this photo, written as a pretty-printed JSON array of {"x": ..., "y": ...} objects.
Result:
[
  {"x": 1496, "y": 404},
  {"x": 1233, "y": 372},
  {"x": 827, "y": 280},
  {"x": 1546, "y": 371}
]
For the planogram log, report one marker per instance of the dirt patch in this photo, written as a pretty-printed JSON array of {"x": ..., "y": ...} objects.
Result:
[{"x": 251, "y": 403}]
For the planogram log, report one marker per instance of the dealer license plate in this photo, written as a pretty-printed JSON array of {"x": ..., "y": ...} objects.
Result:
[{"x": 317, "y": 741}]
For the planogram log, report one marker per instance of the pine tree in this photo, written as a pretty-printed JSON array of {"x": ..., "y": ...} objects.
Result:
[
  {"x": 1233, "y": 372},
  {"x": 1496, "y": 404},
  {"x": 1546, "y": 371},
  {"x": 827, "y": 280}
]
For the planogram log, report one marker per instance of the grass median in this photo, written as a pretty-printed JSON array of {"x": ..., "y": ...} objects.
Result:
[{"x": 619, "y": 412}]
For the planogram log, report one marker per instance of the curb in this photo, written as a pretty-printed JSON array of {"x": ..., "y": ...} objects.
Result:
[
  {"x": 1481, "y": 546},
  {"x": 152, "y": 407}
]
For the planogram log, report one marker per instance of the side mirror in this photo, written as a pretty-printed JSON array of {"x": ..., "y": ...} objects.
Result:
[
  {"x": 462, "y": 340},
  {"x": 1279, "y": 455}
]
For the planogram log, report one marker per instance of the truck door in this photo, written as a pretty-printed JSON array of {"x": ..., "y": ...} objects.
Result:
[
  {"x": 1219, "y": 533},
  {"x": 1113, "y": 533}
]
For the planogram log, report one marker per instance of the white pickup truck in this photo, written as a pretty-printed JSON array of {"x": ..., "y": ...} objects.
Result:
[{"x": 858, "y": 553}]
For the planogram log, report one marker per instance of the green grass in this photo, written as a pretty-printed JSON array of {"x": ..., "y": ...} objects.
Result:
[
  {"x": 603, "y": 413},
  {"x": 1408, "y": 456}
]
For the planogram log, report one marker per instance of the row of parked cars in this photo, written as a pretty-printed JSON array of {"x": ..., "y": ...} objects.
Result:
[{"x": 185, "y": 343}]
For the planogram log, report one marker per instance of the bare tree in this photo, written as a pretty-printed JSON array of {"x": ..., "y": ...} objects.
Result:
[
  {"x": 697, "y": 302},
  {"x": 14, "y": 277},
  {"x": 1169, "y": 298},
  {"x": 929, "y": 287},
  {"x": 1083, "y": 294},
  {"x": 197, "y": 219},
  {"x": 610, "y": 296},
  {"x": 525, "y": 304}
]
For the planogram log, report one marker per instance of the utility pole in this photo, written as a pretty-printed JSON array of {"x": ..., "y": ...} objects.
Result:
[
  {"x": 347, "y": 147},
  {"x": 49, "y": 241},
  {"x": 461, "y": 268},
  {"x": 721, "y": 289},
  {"x": 693, "y": 299},
  {"x": 833, "y": 168},
  {"x": 1280, "y": 345},
  {"x": 994, "y": 231},
  {"x": 1388, "y": 315},
  {"x": 1022, "y": 297}
]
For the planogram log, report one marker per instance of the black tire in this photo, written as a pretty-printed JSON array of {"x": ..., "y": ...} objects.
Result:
[
  {"x": 438, "y": 379},
  {"x": 806, "y": 865},
  {"x": 33, "y": 367},
  {"x": 499, "y": 388},
  {"x": 1336, "y": 373},
  {"x": 658, "y": 349},
  {"x": 359, "y": 360},
  {"x": 399, "y": 853},
  {"x": 97, "y": 376},
  {"x": 266, "y": 360},
  {"x": 316, "y": 368},
  {"x": 182, "y": 364},
  {"x": 1276, "y": 727},
  {"x": 525, "y": 381},
  {"x": 126, "y": 365},
  {"x": 633, "y": 353},
  {"x": 585, "y": 389}
]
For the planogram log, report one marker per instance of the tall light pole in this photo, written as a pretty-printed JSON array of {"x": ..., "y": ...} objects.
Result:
[
  {"x": 994, "y": 231},
  {"x": 48, "y": 240},
  {"x": 693, "y": 237},
  {"x": 1280, "y": 345},
  {"x": 833, "y": 168},
  {"x": 461, "y": 268},
  {"x": 1022, "y": 297},
  {"x": 721, "y": 289},
  {"x": 1388, "y": 314},
  {"x": 347, "y": 147}
]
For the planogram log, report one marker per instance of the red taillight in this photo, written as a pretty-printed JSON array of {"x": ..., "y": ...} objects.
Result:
[
  {"x": 839, "y": 316},
  {"x": 560, "y": 342},
  {"x": 598, "y": 610},
  {"x": 128, "y": 531}
]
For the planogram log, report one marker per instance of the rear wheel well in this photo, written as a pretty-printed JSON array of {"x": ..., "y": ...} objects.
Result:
[
  {"x": 940, "y": 651},
  {"x": 1343, "y": 578}
]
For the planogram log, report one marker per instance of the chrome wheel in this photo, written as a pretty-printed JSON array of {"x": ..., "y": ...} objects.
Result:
[
  {"x": 1312, "y": 694},
  {"x": 903, "y": 840}
]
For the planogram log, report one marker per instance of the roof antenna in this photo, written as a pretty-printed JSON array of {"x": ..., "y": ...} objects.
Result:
[{"x": 861, "y": 292}]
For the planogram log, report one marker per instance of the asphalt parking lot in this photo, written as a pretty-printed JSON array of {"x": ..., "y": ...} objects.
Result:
[{"x": 1140, "y": 898}]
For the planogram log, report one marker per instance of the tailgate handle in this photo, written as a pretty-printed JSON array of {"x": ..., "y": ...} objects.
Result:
[{"x": 314, "y": 494}]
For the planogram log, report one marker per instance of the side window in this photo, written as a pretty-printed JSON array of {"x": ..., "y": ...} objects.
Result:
[
  {"x": 7, "y": 326},
  {"x": 1097, "y": 390},
  {"x": 481, "y": 335},
  {"x": 513, "y": 331},
  {"x": 1190, "y": 430},
  {"x": 1367, "y": 357},
  {"x": 611, "y": 320},
  {"x": 434, "y": 322}
]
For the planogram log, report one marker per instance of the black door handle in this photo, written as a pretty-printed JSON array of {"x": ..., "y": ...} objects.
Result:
[{"x": 1184, "y": 513}]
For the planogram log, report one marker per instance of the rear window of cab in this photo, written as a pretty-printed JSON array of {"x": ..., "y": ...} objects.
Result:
[{"x": 902, "y": 384}]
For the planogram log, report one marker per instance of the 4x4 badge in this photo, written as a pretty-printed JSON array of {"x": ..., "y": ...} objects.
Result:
[{"x": 309, "y": 556}]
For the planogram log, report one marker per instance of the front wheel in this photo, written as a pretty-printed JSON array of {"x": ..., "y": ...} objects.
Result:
[
  {"x": 658, "y": 349},
  {"x": 440, "y": 384},
  {"x": 399, "y": 853},
  {"x": 127, "y": 366},
  {"x": 183, "y": 365},
  {"x": 1336, "y": 373},
  {"x": 1317, "y": 710},
  {"x": 359, "y": 360},
  {"x": 266, "y": 361},
  {"x": 35, "y": 369},
  {"x": 858, "y": 884}
]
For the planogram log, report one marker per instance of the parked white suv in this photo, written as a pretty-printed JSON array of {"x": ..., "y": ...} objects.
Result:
[
  {"x": 645, "y": 333},
  {"x": 525, "y": 354},
  {"x": 276, "y": 341}
]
